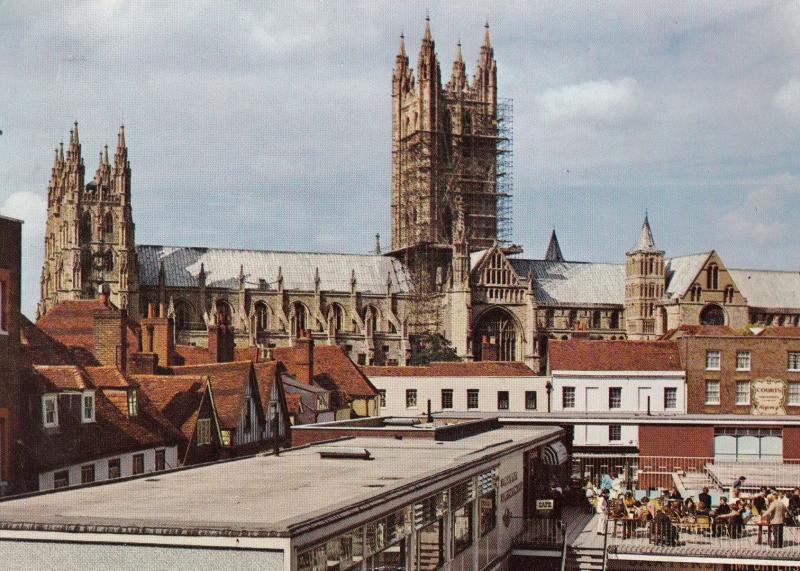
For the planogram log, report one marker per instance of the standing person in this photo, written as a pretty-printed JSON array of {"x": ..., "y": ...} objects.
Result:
[
  {"x": 705, "y": 497},
  {"x": 760, "y": 501},
  {"x": 794, "y": 502},
  {"x": 776, "y": 517},
  {"x": 590, "y": 497},
  {"x": 674, "y": 494},
  {"x": 602, "y": 510},
  {"x": 736, "y": 487}
]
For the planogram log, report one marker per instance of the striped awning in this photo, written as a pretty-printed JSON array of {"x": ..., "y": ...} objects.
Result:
[{"x": 554, "y": 454}]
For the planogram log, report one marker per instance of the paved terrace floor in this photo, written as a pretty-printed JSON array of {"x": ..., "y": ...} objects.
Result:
[{"x": 581, "y": 534}]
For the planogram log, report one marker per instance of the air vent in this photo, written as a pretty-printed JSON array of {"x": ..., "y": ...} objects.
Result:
[{"x": 346, "y": 453}]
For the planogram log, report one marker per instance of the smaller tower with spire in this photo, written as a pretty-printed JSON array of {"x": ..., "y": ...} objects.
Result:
[
  {"x": 553, "y": 249},
  {"x": 644, "y": 286}
]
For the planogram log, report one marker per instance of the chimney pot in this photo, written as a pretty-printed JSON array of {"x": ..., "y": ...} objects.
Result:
[
  {"x": 150, "y": 311},
  {"x": 162, "y": 311}
]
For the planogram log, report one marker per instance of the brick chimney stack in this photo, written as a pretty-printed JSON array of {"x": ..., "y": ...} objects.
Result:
[
  {"x": 304, "y": 349},
  {"x": 159, "y": 335},
  {"x": 221, "y": 343},
  {"x": 111, "y": 337}
]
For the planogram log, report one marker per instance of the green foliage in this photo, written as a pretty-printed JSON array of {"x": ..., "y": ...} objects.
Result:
[{"x": 427, "y": 348}]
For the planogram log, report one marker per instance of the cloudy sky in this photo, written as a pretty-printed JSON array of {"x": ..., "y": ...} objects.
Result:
[{"x": 267, "y": 124}]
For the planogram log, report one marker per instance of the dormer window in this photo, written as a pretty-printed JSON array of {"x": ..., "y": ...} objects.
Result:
[
  {"x": 50, "y": 411},
  {"x": 322, "y": 401},
  {"x": 133, "y": 404},
  {"x": 87, "y": 408}
]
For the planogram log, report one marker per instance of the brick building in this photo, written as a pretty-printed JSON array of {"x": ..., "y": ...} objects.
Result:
[{"x": 10, "y": 259}]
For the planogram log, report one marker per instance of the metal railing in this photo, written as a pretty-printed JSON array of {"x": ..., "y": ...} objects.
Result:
[{"x": 539, "y": 533}]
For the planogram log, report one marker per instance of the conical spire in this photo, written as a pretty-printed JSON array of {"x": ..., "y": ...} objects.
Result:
[
  {"x": 61, "y": 151},
  {"x": 554, "y": 250},
  {"x": 77, "y": 141},
  {"x": 402, "y": 51},
  {"x": 105, "y": 155},
  {"x": 646, "y": 243},
  {"x": 459, "y": 59},
  {"x": 426, "y": 37},
  {"x": 486, "y": 42}
]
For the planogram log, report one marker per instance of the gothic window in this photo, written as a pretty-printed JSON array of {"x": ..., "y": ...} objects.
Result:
[
  {"x": 300, "y": 316},
  {"x": 371, "y": 319},
  {"x": 261, "y": 317},
  {"x": 337, "y": 317},
  {"x": 108, "y": 261},
  {"x": 573, "y": 318},
  {"x": 447, "y": 225},
  {"x": 108, "y": 226},
  {"x": 499, "y": 325},
  {"x": 184, "y": 316},
  {"x": 549, "y": 318},
  {"x": 712, "y": 276},
  {"x": 615, "y": 320},
  {"x": 86, "y": 227},
  {"x": 696, "y": 292},
  {"x": 712, "y": 315},
  {"x": 728, "y": 297},
  {"x": 650, "y": 269},
  {"x": 223, "y": 311},
  {"x": 596, "y": 320}
]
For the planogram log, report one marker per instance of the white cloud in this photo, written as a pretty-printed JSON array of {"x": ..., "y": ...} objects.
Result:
[
  {"x": 599, "y": 102},
  {"x": 787, "y": 99}
]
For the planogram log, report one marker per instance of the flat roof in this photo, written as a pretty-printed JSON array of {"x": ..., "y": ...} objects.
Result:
[
  {"x": 624, "y": 417},
  {"x": 264, "y": 496}
]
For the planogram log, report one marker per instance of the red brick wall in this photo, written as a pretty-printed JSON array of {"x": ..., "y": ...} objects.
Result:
[
  {"x": 681, "y": 440},
  {"x": 768, "y": 358},
  {"x": 791, "y": 443},
  {"x": 110, "y": 338}
]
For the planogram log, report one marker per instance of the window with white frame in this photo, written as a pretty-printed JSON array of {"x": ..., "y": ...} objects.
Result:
[
  {"x": 712, "y": 360},
  {"x": 530, "y": 400},
  {"x": 794, "y": 361},
  {"x": 411, "y": 398},
  {"x": 50, "y": 411},
  {"x": 615, "y": 397},
  {"x": 793, "y": 393},
  {"x": 87, "y": 408},
  {"x": 614, "y": 432},
  {"x": 502, "y": 400},
  {"x": 203, "y": 431},
  {"x": 133, "y": 403},
  {"x": 742, "y": 360},
  {"x": 472, "y": 398},
  {"x": 742, "y": 392},
  {"x": 382, "y": 393},
  {"x": 712, "y": 392},
  {"x": 568, "y": 397},
  {"x": 670, "y": 397},
  {"x": 447, "y": 398}
]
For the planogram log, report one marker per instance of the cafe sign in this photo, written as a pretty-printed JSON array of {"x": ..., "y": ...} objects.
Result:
[{"x": 768, "y": 396}]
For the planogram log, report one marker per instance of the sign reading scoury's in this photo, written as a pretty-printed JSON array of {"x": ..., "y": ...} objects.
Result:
[{"x": 768, "y": 396}]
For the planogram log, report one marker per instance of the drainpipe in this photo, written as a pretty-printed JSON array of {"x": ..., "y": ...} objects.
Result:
[{"x": 549, "y": 387}]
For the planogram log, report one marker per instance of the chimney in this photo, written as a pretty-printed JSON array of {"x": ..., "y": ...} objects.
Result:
[
  {"x": 220, "y": 343},
  {"x": 304, "y": 349},
  {"x": 159, "y": 335},
  {"x": 111, "y": 337},
  {"x": 488, "y": 349}
]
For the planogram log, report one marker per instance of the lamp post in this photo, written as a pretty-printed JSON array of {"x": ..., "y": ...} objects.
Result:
[{"x": 549, "y": 388}]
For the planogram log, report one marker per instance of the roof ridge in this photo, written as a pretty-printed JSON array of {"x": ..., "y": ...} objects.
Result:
[{"x": 207, "y": 248}]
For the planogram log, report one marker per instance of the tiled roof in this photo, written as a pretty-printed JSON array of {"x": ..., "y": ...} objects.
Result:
[
  {"x": 228, "y": 385},
  {"x": 574, "y": 283},
  {"x": 107, "y": 377},
  {"x": 266, "y": 375},
  {"x": 769, "y": 289},
  {"x": 71, "y": 323},
  {"x": 37, "y": 347},
  {"x": 222, "y": 266},
  {"x": 681, "y": 271},
  {"x": 294, "y": 403},
  {"x": 784, "y": 331},
  {"x": 194, "y": 355},
  {"x": 475, "y": 369},
  {"x": 333, "y": 370},
  {"x": 585, "y": 355},
  {"x": 178, "y": 397},
  {"x": 58, "y": 378},
  {"x": 700, "y": 330}
]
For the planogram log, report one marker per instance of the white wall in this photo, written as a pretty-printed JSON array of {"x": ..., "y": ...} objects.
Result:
[
  {"x": 431, "y": 388},
  {"x": 46, "y": 479},
  {"x": 592, "y": 391}
]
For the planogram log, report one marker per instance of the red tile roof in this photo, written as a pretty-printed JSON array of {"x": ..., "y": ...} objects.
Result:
[
  {"x": 333, "y": 370},
  {"x": 228, "y": 385},
  {"x": 107, "y": 377},
  {"x": 475, "y": 369},
  {"x": 59, "y": 378},
  {"x": 178, "y": 397},
  {"x": 37, "y": 347},
  {"x": 294, "y": 403},
  {"x": 700, "y": 330},
  {"x": 189, "y": 355},
  {"x": 71, "y": 323},
  {"x": 266, "y": 375},
  {"x": 783, "y": 331},
  {"x": 584, "y": 355}
]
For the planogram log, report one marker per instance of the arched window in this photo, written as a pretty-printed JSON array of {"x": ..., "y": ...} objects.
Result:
[
  {"x": 261, "y": 317},
  {"x": 549, "y": 318},
  {"x": 712, "y": 314},
  {"x": 184, "y": 316},
  {"x": 696, "y": 292},
  {"x": 300, "y": 317},
  {"x": 86, "y": 227},
  {"x": 499, "y": 325},
  {"x": 728, "y": 297},
  {"x": 371, "y": 319},
  {"x": 712, "y": 276},
  {"x": 108, "y": 261},
  {"x": 573, "y": 318},
  {"x": 595, "y": 320},
  {"x": 336, "y": 318},
  {"x": 108, "y": 225},
  {"x": 615, "y": 320},
  {"x": 650, "y": 264},
  {"x": 223, "y": 311}
]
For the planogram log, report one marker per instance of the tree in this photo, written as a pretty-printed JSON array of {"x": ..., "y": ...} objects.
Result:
[{"x": 429, "y": 347}]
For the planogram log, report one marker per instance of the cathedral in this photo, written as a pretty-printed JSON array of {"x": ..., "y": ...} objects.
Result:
[{"x": 451, "y": 268}]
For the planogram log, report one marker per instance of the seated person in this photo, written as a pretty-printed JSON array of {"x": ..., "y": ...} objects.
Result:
[
  {"x": 702, "y": 509},
  {"x": 664, "y": 533},
  {"x": 689, "y": 507},
  {"x": 736, "y": 520},
  {"x": 674, "y": 494},
  {"x": 705, "y": 498},
  {"x": 720, "y": 515},
  {"x": 629, "y": 500}
]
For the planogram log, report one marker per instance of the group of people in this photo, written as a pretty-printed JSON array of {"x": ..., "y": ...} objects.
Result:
[{"x": 771, "y": 508}]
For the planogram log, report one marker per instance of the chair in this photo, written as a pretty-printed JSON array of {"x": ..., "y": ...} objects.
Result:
[{"x": 702, "y": 524}]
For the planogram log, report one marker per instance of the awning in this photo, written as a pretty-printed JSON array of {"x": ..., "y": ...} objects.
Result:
[{"x": 554, "y": 454}]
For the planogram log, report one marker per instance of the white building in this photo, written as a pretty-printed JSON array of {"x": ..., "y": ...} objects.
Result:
[
  {"x": 485, "y": 386},
  {"x": 615, "y": 377}
]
